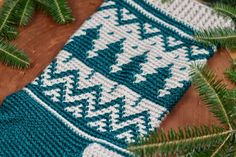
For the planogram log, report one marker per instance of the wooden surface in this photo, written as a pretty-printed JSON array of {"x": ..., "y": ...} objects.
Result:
[{"x": 43, "y": 39}]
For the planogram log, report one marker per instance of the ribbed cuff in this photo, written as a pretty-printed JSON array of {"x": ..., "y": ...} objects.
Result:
[{"x": 193, "y": 13}]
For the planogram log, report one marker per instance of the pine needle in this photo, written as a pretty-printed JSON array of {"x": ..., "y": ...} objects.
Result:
[
  {"x": 58, "y": 9},
  {"x": 226, "y": 2},
  {"x": 198, "y": 141},
  {"x": 231, "y": 72},
  {"x": 219, "y": 37},
  {"x": 226, "y": 9},
  {"x": 24, "y": 12},
  {"x": 11, "y": 56},
  {"x": 19, "y": 13},
  {"x": 212, "y": 91},
  {"x": 6, "y": 20},
  {"x": 184, "y": 141}
]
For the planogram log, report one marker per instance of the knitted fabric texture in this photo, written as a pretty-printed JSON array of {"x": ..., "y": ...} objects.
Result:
[{"x": 115, "y": 80}]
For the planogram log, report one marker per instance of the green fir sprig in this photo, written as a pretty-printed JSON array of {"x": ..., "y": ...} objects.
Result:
[
  {"x": 231, "y": 72},
  {"x": 7, "y": 28},
  {"x": 15, "y": 13},
  {"x": 221, "y": 37},
  {"x": 58, "y": 9},
  {"x": 10, "y": 55},
  {"x": 24, "y": 12},
  {"x": 225, "y": 38},
  {"x": 227, "y": 2},
  {"x": 226, "y": 9},
  {"x": 201, "y": 141}
]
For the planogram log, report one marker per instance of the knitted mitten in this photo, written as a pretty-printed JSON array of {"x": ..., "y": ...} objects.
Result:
[{"x": 114, "y": 81}]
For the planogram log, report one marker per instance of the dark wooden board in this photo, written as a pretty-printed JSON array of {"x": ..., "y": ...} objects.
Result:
[{"x": 43, "y": 39}]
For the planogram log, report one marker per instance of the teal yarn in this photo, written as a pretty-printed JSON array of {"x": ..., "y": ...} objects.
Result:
[{"x": 115, "y": 80}]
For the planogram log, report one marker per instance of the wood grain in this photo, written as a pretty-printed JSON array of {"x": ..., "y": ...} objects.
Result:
[
  {"x": 233, "y": 54},
  {"x": 43, "y": 39}
]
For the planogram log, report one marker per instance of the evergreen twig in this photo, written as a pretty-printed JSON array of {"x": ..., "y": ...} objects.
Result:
[
  {"x": 181, "y": 142},
  {"x": 7, "y": 30},
  {"x": 226, "y": 2},
  {"x": 58, "y": 9},
  {"x": 226, "y": 9},
  {"x": 212, "y": 91},
  {"x": 225, "y": 38},
  {"x": 221, "y": 37},
  {"x": 231, "y": 72},
  {"x": 24, "y": 12},
  {"x": 19, "y": 13},
  {"x": 198, "y": 141},
  {"x": 10, "y": 55}
]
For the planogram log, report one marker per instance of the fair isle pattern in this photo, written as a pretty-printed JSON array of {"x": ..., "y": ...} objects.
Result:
[{"x": 115, "y": 80}]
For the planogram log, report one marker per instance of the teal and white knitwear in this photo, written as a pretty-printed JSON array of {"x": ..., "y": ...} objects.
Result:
[{"x": 115, "y": 80}]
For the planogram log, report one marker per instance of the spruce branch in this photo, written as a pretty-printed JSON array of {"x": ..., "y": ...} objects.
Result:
[
  {"x": 226, "y": 2},
  {"x": 187, "y": 141},
  {"x": 219, "y": 148},
  {"x": 7, "y": 30},
  {"x": 230, "y": 106},
  {"x": 226, "y": 9},
  {"x": 231, "y": 72},
  {"x": 11, "y": 56},
  {"x": 24, "y": 12},
  {"x": 58, "y": 9},
  {"x": 219, "y": 37},
  {"x": 198, "y": 141},
  {"x": 19, "y": 13},
  {"x": 212, "y": 91}
]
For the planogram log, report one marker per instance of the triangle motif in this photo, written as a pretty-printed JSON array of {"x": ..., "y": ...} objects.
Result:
[
  {"x": 127, "y": 15},
  {"x": 173, "y": 42},
  {"x": 150, "y": 29}
]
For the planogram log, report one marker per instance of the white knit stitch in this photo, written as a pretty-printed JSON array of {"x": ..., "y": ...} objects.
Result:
[
  {"x": 122, "y": 72},
  {"x": 97, "y": 79},
  {"x": 70, "y": 125},
  {"x": 193, "y": 13},
  {"x": 96, "y": 150}
]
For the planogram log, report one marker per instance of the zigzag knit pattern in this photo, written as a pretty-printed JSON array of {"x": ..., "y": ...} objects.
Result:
[{"x": 115, "y": 80}]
